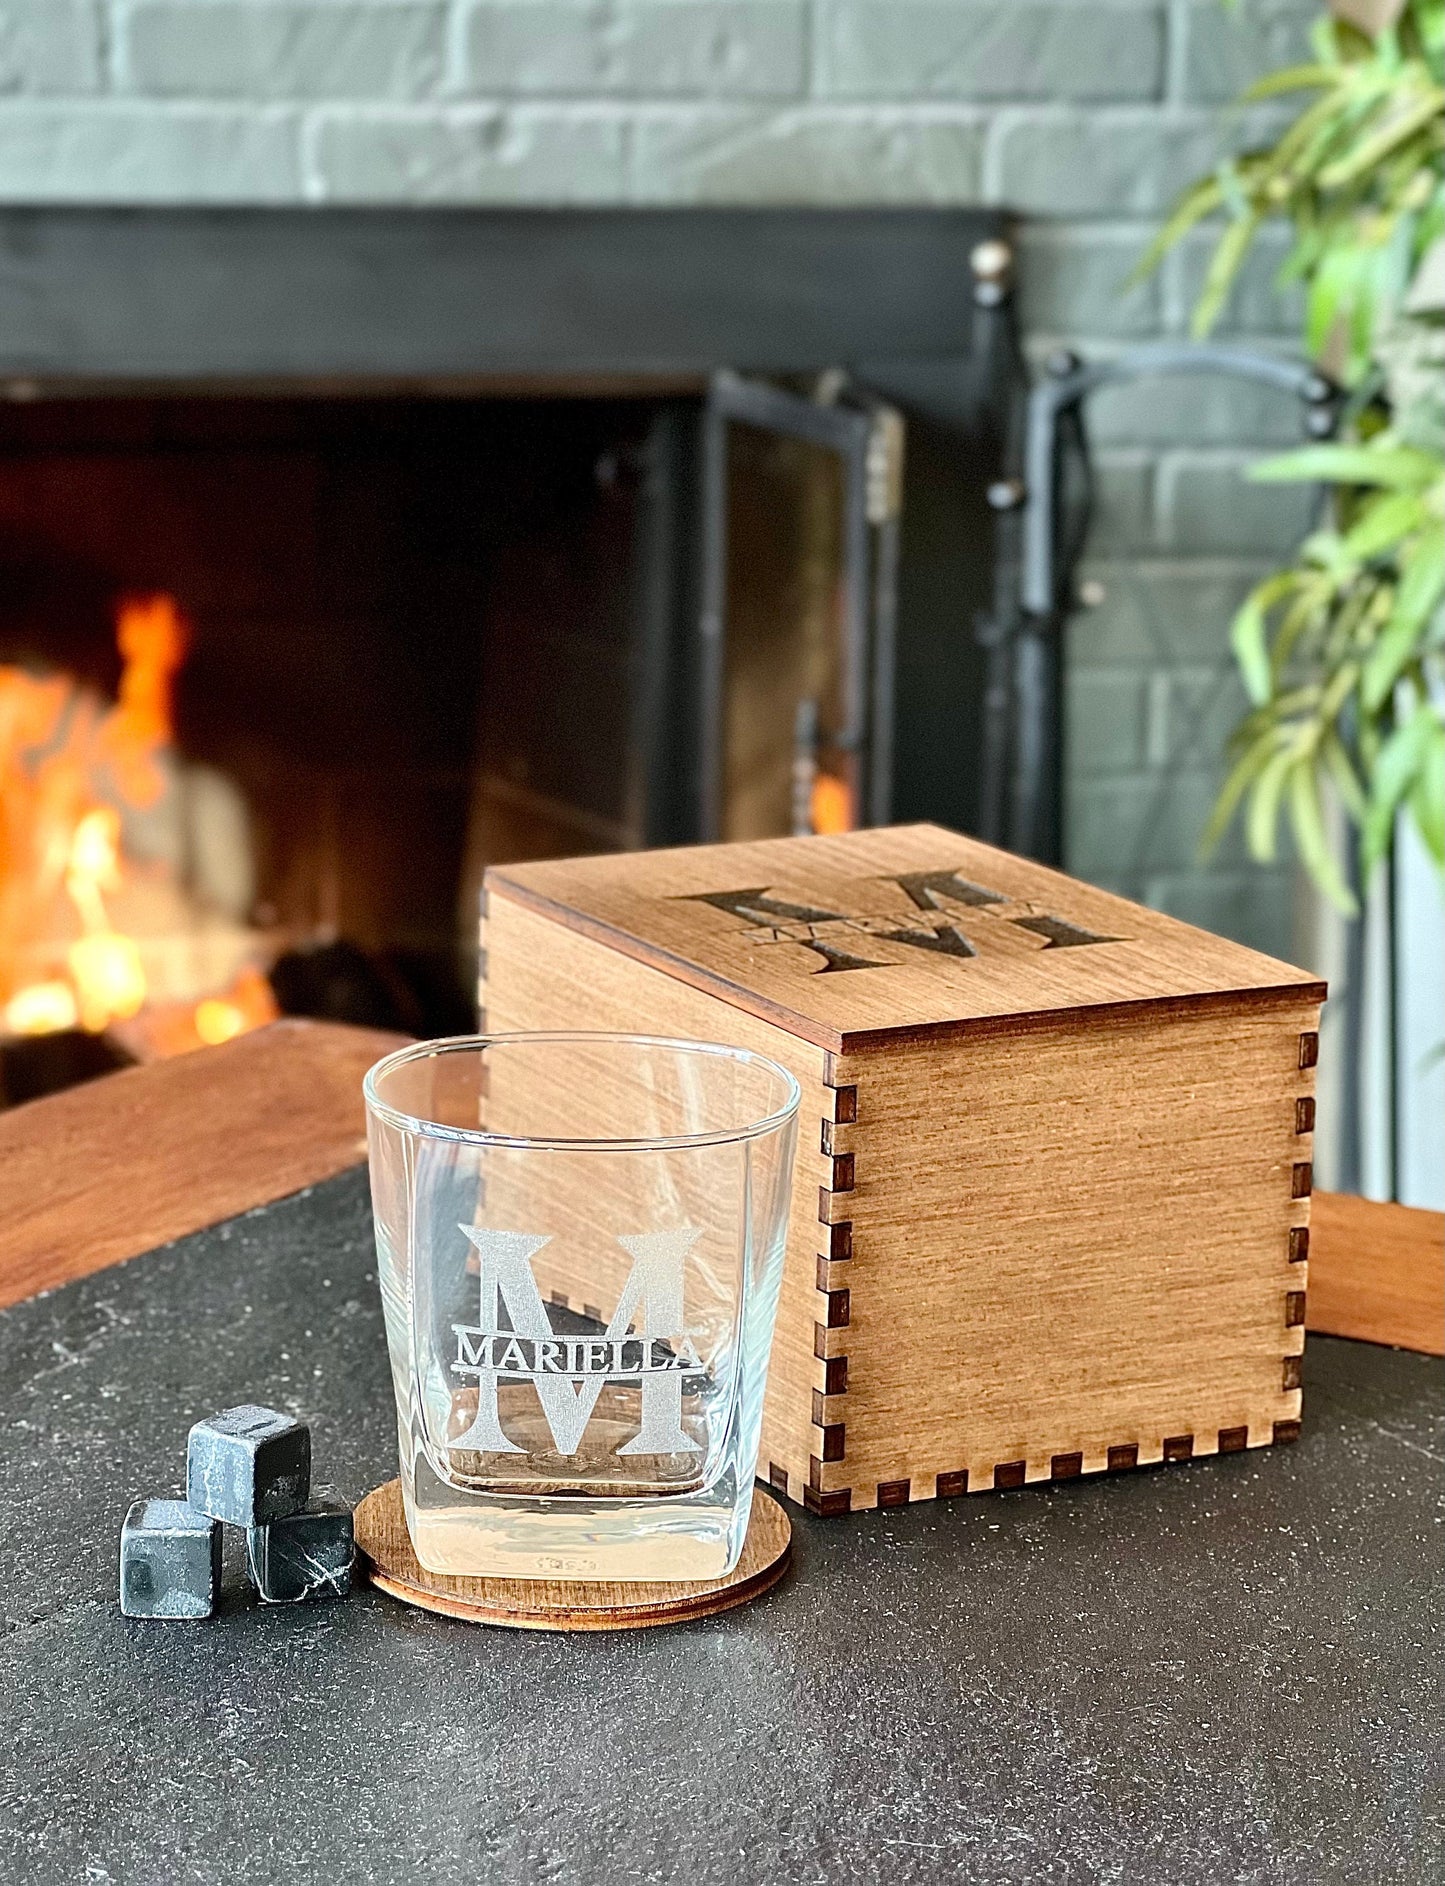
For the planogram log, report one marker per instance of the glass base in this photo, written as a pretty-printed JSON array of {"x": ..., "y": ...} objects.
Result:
[{"x": 660, "y": 1539}]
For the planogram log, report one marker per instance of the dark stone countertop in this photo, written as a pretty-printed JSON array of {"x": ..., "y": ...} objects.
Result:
[{"x": 1225, "y": 1672}]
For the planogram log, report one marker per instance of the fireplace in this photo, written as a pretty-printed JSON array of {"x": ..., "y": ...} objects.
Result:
[{"x": 475, "y": 537}]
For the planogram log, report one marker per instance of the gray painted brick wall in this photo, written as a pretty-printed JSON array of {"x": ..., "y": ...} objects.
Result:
[{"x": 1085, "y": 116}]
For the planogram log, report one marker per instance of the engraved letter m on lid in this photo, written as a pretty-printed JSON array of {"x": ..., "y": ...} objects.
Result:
[{"x": 569, "y": 1374}]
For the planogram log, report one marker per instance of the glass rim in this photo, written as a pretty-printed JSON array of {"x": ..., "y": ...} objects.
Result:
[{"x": 551, "y": 1142}]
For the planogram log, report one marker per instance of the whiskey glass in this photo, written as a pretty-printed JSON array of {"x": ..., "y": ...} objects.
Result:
[{"x": 580, "y": 1242}]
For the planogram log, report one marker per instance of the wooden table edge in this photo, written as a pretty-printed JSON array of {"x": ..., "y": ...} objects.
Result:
[
  {"x": 1377, "y": 1272},
  {"x": 105, "y": 1171}
]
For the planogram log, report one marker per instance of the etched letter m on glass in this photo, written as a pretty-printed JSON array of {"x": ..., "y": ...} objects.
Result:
[{"x": 645, "y": 1346}]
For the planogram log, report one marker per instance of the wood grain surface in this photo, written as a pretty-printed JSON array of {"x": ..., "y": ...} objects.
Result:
[
  {"x": 1377, "y": 1272},
  {"x": 1042, "y": 1242},
  {"x": 940, "y": 934},
  {"x": 103, "y": 1172},
  {"x": 1069, "y": 1255},
  {"x": 541, "y": 1604}
]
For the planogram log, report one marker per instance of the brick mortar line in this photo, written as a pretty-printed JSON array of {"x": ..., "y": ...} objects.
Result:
[
  {"x": 689, "y": 108},
  {"x": 454, "y": 50},
  {"x": 648, "y": 107},
  {"x": 1176, "y": 51},
  {"x": 108, "y": 39}
]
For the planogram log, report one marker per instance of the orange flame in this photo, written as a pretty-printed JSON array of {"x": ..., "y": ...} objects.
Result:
[
  {"x": 248, "y": 1003},
  {"x": 110, "y": 983},
  {"x": 831, "y": 808},
  {"x": 152, "y": 636},
  {"x": 68, "y": 766}
]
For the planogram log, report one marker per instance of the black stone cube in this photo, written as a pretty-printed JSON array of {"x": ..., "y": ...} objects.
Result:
[
  {"x": 308, "y": 1555},
  {"x": 249, "y": 1466},
  {"x": 170, "y": 1561}
]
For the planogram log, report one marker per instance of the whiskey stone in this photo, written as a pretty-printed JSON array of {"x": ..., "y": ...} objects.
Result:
[
  {"x": 308, "y": 1555},
  {"x": 170, "y": 1561},
  {"x": 248, "y": 1466}
]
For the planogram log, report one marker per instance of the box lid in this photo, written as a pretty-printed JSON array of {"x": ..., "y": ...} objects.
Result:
[{"x": 908, "y": 930}]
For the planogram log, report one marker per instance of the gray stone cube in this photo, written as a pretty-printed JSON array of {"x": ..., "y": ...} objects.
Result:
[
  {"x": 170, "y": 1561},
  {"x": 308, "y": 1555},
  {"x": 249, "y": 1466}
]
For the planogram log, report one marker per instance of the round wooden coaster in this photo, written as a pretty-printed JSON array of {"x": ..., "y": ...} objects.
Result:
[{"x": 540, "y": 1604}]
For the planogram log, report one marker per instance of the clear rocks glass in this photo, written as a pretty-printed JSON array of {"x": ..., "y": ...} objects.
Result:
[{"x": 580, "y": 1242}]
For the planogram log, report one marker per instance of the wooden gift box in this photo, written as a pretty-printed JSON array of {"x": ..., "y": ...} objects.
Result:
[{"x": 1051, "y": 1207}]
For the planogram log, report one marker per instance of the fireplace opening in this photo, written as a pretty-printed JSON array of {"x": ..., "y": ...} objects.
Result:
[
  {"x": 374, "y": 550},
  {"x": 281, "y": 675},
  {"x": 278, "y": 676}
]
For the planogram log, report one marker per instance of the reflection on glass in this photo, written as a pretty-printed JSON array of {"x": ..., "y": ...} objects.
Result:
[{"x": 788, "y": 763}]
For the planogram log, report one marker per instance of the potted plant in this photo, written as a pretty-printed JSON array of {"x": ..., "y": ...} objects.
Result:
[{"x": 1343, "y": 650}]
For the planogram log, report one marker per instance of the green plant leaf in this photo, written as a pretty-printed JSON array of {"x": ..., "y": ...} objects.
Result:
[
  {"x": 1275, "y": 175},
  {"x": 1264, "y": 800},
  {"x": 1249, "y": 639},
  {"x": 1427, "y": 796},
  {"x": 1333, "y": 647},
  {"x": 1341, "y": 770},
  {"x": 1324, "y": 550},
  {"x": 1397, "y": 467},
  {"x": 1295, "y": 78},
  {"x": 1394, "y": 777},
  {"x": 1241, "y": 777},
  {"x": 1337, "y": 691},
  {"x": 1282, "y": 707},
  {"x": 1224, "y": 266},
  {"x": 1421, "y": 116},
  {"x": 1418, "y": 596},
  {"x": 1422, "y": 579},
  {"x": 1201, "y": 199},
  {"x": 1307, "y": 822},
  {"x": 1382, "y": 522},
  {"x": 1429, "y": 22},
  {"x": 1301, "y": 622},
  {"x": 1328, "y": 293}
]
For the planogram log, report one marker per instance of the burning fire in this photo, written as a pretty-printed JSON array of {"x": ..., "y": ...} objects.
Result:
[
  {"x": 105, "y": 966},
  {"x": 70, "y": 767},
  {"x": 831, "y": 805}
]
